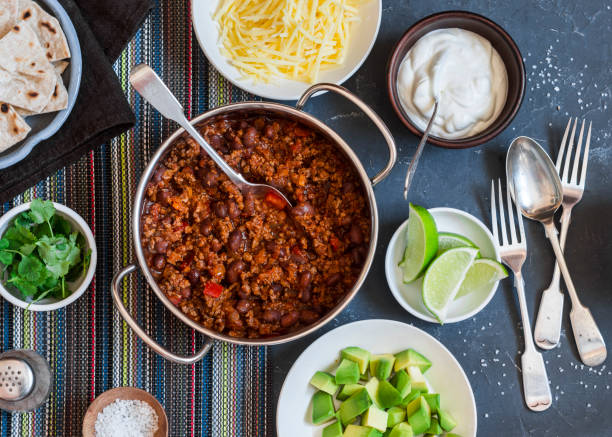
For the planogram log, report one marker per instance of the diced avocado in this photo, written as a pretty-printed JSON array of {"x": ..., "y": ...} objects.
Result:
[
  {"x": 348, "y": 390},
  {"x": 433, "y": 399},
  {"x": 417, "y": 380},
  {"x": 447, "y": 422},
  {"x": 376, "y": 418},
  {"x": 365, "y": 376},
  {"x": 387, "y": 395},
  {"x": 414, "y": 393},
  {"x": 361, "y": 431},
  {"x": 347, "y": 372},
  {"x": 435, "y": 427},
  {"x": 325, "y": 382},
  {"x": 401, "y": 381},
  {"x": 322, "y": 407},
  {"x": 409, "y": 358},
  {"x": 381, "y": 366},
  {"x": 332, "y": 430},
  {"x": 419, "y": 415},
  {"x": 372, "y": 388},
  {"x": 354, "y": 406},
  {"x": 358, "y": 355},
  {"x": 395, "y": 415},
  {"x": 402, "y": 430}
]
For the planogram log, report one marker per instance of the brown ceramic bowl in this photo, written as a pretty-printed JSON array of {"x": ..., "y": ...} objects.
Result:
[
  {"x": 501, "y": 41},
  {"x": 126, "y": 393}
]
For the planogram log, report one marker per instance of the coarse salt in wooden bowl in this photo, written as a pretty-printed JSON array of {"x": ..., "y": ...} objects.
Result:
[{"x": 124, "y": 393}]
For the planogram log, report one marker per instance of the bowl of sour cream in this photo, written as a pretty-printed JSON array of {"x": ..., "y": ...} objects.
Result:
[{"x": 469, "y": 65}]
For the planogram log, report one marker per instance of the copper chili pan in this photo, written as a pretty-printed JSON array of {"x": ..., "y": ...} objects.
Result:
[{"x": 274, "y": 109}]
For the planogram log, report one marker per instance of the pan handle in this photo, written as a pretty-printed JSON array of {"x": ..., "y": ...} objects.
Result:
[
  {"x": 143, "y": 335},
  {"x": 384, "y": 130}
]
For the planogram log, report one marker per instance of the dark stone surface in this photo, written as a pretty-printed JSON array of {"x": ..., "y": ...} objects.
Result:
[{"x": 571, "y": 41}]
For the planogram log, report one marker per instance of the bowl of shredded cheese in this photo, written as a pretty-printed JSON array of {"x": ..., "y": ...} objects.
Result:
[{"x": 277, "y": 48}]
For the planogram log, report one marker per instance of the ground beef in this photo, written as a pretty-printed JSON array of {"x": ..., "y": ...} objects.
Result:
[{"x": 246, "y": 266}]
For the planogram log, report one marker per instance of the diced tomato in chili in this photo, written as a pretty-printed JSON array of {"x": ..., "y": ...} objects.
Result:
[
  {"x": 334, "y": 242},
  {"x": 186, "y": 261},
  {"x": 275, "y": 200},
  {"x": 174, "y": 299},
  {"x": 213, "y": 289},
  {"x": 300, "y": 132}
]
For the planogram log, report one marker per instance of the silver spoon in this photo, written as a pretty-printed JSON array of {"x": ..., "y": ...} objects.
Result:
[
  {"x": 150, "y": 86},
  {"x": 537, "y": 191},
  {"x": 417, "y": 155}
]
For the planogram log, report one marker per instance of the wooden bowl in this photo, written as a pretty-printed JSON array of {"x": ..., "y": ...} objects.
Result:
[
  {"x": 500, "y": 40},
  {"x": 125, "y": 393}
]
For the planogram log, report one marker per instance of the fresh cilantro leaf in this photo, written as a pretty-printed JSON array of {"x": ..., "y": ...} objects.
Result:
[
  {"x": 41, "y": 230},
  {"x": 58, "y": 254},
  {"x": 31, "y": 269},
  {"x": 24, "y": 220},
  {"x": 27, "y": 249},
  {"x": 60, "y": 225},
  {"x": 6, "y": 258},
  {"x": 26, "y": 287},
  {"x": 4, "y": 243},
  {"x": 41, "y": 211},
  {"x": 18, "y": 236}
]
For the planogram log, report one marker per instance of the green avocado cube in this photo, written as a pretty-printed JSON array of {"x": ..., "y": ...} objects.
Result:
[
  {"x": 387, "y": 395},
  {"x": 435, "y": 427},
  {"x": 417, "y": 380},
  {"x": 375, "y": 418},
  {"x": 419, "y": 415},
  {"x": 372, "y": 388},
  {"x": 447, "y": 422},
  {"x": 348, "y": 390},
  {"x": 361, "y": 431},
  {"x": 354, "y": 406},
  {"x": 358, "y": 355},
  {"x": 433, "y": 399},
  {"x": 325, "y": 382},
  {"x": 322, "y": 407},
  {"x": 395, "y": 415},
  {"x": 409, "y": 358},
  {"x": 414, "y": 393},
  {"x": 402, "y": 430},
  {"x": 401, "y": 381},
  {"x": 332, "y": 430},
  {"x": 347, "y": 372},
  {"x": 381, "y": 366}
]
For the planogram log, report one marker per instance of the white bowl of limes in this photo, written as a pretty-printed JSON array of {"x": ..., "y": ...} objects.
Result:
[{"x": 443, "y": 265}]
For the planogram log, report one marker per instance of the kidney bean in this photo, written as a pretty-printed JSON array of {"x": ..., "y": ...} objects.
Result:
[
  {"x": 216, "y": 245},
  {"x": 234, "y": 270},
  {"x": 298, "y": 258},
  {"x": 186, "y": 292},
  {"x": 305, "y": 295},
  {"x": 304, "y": 280},
  {"x": 355, "y": 234},
  {"x": 193, "y": 276},
  {"x": 276, "y": 287},
  {"x": 243, "y": 306},
  {"x": 233, "y": 210},
  {"x": 158, "y": 174},
  {"x": 249, "y": 138},
  {"x": 237, "y": 144},
  {"x": 271, "y": 316},
  {"x": 242, "y": 294},
  {"x": 236, "y": 240},
  {"x": 163, "y": 196},
  {"x": 302, "y": 208},
  {"x": 270, "y": 131},
  {"x": 243, "y": 124},
  {"x": 206, "y": 227},
  {"x": 249, "y": 204},
  {"x": 333, "y": 279},
  {"x": 161, "y": 246},
  {"x": 233, "y": 318},
  {"x": 220, "y": 209},
  {"x": 217, "y": 272},
  {"x": 209, "y": 178},
  {"x": 348, "y": 187},
  {"x": 358, "y": 254},
  {"x": 159, "y": 262},
  {"x": 289, "y": 319},
  {"x": 216, "y": 141},
  {"x": 308, "y": 316}
]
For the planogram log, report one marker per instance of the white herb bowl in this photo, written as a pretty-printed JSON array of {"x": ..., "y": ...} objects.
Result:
[{"x": 79, "y": 286}]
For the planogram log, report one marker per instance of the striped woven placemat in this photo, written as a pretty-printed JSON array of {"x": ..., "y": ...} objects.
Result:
[{"x": 90, "y": 349}]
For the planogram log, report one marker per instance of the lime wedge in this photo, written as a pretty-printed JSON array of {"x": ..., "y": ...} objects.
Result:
[
  {"x": 421, "y": 243},
  {"x": 443, "y": 278},
  {"x": 449, "y": 240},
  {"x": 481, "y": 275}
]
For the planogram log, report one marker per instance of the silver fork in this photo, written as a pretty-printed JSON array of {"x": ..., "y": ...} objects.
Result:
[
  {"x": 513, "y": 254},
  {"x": 548, "y": 323}
]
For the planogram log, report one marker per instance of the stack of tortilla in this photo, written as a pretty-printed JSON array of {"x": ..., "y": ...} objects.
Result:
[{"x": 33, "y": 53}]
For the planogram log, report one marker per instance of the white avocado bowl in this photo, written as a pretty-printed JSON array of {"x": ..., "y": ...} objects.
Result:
[
  {"x": 79, "y": 286},
  {"x": 409, "y": 295}
]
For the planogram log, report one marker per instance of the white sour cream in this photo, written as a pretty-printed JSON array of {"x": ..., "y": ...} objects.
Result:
[{"x": 463, "y": 72}]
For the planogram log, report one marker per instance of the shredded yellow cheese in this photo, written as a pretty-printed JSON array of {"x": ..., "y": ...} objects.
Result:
[{"x": 292, "y": 39}]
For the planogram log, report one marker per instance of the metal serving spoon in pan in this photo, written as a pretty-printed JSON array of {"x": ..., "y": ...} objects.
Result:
[{"x": 150, "y": 86}]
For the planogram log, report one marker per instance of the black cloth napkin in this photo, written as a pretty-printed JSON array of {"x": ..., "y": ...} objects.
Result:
[{"x": 101, "y": 111}]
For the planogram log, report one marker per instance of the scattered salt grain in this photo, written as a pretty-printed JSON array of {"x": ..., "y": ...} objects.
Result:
[{"x": 126, "y": 418}]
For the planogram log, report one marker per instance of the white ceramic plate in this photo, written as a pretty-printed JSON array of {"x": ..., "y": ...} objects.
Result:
[
  {"x": 409, "y": 295},
  {"x": 363, "y": 37},
  {"x": 378, "y": 336}
]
